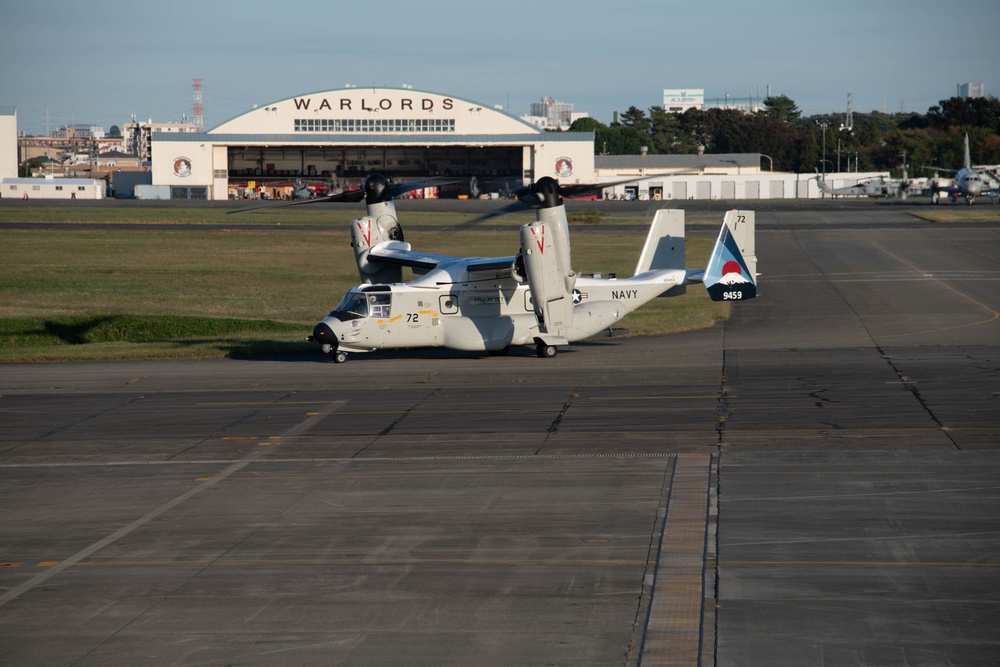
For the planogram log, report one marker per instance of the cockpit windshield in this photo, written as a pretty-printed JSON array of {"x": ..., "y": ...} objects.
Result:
[
  {"x": 356, "y": 305},
  {"x": 353, "y": 306}
]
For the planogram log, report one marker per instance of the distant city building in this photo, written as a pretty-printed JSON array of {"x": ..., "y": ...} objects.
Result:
[
  {"x": 679, "y": 100},
  {"x": 967, "y": 90},
  {"x": 548, "y": 114},
  {"x": 79, "y": 131},
  {"x": 139, "y": 136},
  {"x": 60, "y": 148},
  {"x": 744, "y": 104}
]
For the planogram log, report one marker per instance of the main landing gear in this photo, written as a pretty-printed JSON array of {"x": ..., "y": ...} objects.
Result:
[{"x": 546, "y": 351}]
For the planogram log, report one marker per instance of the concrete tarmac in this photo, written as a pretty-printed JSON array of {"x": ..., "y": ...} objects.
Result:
[{"x": 812, "y": 482}]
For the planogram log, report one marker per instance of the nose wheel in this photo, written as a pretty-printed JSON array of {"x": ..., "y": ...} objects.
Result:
[{"x": 339, "y": 356}]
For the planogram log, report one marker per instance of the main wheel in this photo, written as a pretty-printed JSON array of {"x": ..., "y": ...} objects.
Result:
[
  {"x": 546, "y": 351},
  {"x": 339, "y": 356}
]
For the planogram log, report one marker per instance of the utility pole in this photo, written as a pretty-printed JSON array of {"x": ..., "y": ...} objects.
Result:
[{"x": 823, "y": 125}]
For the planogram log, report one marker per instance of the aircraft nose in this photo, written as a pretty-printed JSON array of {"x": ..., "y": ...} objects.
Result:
[{"x": 322, "y": 333}]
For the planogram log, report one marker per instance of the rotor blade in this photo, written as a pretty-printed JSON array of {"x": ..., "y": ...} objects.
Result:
[
  {"x": 578, "y": 190},
  {"x": 390, "y": 192},
  {"x": 298, "y": 202},
  {"x": 533, "y": 198},
  {"x": 346, "y": 195},
  {"x": 397, "y": 189},
  {"x": 516, "y": 207}
]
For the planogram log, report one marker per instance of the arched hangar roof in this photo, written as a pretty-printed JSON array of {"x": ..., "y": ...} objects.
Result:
[{"x": 365, "y": 115}]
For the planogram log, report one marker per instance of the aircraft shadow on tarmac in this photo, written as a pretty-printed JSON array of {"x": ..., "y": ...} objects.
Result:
[{"x": 306, "y": 353}]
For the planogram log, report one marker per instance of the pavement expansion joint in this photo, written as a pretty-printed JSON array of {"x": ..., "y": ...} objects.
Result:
[{"x": 673, "y": 633}]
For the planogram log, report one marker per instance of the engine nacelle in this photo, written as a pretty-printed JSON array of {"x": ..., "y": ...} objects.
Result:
[
  {"x": 551, "y": 289},
  {"x": 368, "y": 232},
  {"x": 557, "y": 227}
]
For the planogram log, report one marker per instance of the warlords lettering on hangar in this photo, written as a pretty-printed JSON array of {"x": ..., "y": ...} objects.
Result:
[{"x": 371, "y": 104}]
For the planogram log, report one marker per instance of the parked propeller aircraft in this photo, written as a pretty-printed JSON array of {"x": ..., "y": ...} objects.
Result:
[
  {"x": 969, "y": 183},
  {"x": 532, "y": 298}
]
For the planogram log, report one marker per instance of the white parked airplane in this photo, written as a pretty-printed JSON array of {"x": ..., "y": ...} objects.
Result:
[
  {"x": 532, "y": 298},
  {"x": 969, "y": 183}
]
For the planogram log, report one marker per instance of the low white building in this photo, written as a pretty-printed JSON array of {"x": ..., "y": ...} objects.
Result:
[
  {"x": 51, "y": 188},
  {"x": 763, "y": 185},
  {"x": 710, "y": 176}
]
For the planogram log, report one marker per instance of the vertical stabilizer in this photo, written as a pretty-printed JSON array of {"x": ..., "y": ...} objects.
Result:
[
  {"x": 968, "y": 159},
  {"x": 664, "y": 248},
  {"x": 731, "y": 274}
]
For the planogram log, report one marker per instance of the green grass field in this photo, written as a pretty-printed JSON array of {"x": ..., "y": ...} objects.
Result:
[
  {"x": 960, "y": 212},
  {"x": 133, "y": 293}
]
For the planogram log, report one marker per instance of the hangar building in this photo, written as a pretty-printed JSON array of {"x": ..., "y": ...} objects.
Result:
[{"x": 341, "y": 136}]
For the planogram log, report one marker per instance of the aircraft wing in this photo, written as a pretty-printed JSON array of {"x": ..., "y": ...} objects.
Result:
[
  {"x": 490, "y": 263},
  {"x": 399, "y": 253}
]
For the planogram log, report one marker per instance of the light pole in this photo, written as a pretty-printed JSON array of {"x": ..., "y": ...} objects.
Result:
[
  {"x": 824, "y": 125},
  {"x": 770, "y": 161}
]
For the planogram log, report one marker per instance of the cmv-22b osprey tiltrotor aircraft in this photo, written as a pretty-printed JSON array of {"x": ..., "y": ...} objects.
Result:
[{"x": 533, "y": 298}]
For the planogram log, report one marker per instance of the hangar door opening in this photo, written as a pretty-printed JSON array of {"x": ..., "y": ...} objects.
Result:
[{"x": 326, "y": 169}]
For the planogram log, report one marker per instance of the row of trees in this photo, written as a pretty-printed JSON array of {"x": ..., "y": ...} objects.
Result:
[{"x": 877, "y": 141}]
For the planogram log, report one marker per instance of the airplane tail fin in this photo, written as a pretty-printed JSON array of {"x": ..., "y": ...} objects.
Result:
[
  {"x": 664, "y": 248},
  {"x": 822, "y": 184},
  {"x": 731, "y": 274},
  {"x": 968, "y": 159}
]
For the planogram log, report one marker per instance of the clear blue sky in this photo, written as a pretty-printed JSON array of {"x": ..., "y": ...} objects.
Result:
[{"x": 100, "y": 61}]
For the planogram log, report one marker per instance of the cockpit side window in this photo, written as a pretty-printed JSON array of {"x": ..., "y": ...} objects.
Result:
[{"x": 379, "y": 304}]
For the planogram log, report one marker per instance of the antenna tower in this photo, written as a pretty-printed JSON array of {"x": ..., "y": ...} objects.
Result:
[
  {"x": 199, "y": 110},
  {"x": 849, "y": 126}
]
